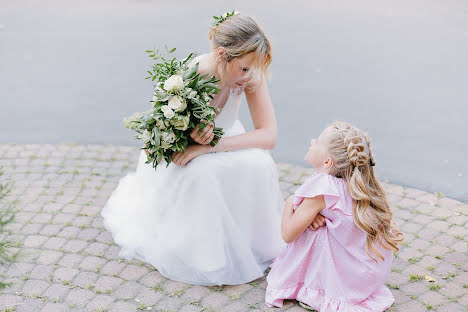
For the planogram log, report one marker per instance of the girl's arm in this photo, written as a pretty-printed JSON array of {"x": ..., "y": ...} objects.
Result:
[
  {"x": 264, "y": 121},
  {"x": 295, "y": 222}
]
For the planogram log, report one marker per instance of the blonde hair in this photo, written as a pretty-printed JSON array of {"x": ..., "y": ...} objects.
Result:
[
  {"x": 240, "y": 35},
  {"x": 353, "y": 161}
]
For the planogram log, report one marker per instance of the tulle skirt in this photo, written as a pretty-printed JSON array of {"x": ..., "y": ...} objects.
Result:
[{"x": 216, "y": 221}]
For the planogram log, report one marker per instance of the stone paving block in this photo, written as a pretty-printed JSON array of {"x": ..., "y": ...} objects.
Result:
[
  {"x": 9, "y": 301},
  {"x": 55, "y": 243},
  {"x": 127, "y": 290},
  {"x": 50, "y": 229},
  {"x": 192, "y": 308},
  {"x": 88, "y": 234},
  {"x": 100, "y": 302},
  {"x": 122, "y": 306},
  {"x": 460, "y": 246},
  {"x": 56, "y": 291},
  {"x": 65, "y": 274},
  {"x": 35, "y": 240},
  {"x": 133, "y": 272},
  {"x": 63, "y": 218},
  {"x": 413, "y": 306},
  {"x": 456, "y": 258},
  {"x": 112, "y": 252},
  {"x": 33, "y": 287},
  {"x": 69, "y": 231},
  {"x": 41, "y": 271},
  {"x": 70, "y": 260},
  {"x": 169, "y": 304},
  {"x": 91, "y": 263},
  {"x": 215, "y": 300},
  {"x": 49, "y": 257},
  {"x": 108, "y": 282},
  {"x": 19, "y": 269},
  {"x": 149, "y": 296},
  {"x": 237, "y": 290},
  {"x": 416, "y": 288},
  {"x": 174, "y": 286},
  {"x": 150, "y": 280},
  {"x": 75, "y": 245},
  {"x": 96, "y": 248},
  {"x": 433, "y": 298},
  {"x": 463, "y": 300},
  {"x": 451, "y": 307},
  {"x": 55, "y": 307},
  {"x": 453, "y": 290},
  {"x": 30, "y": 305},
  {"x": 79, "y": 296},
  {"x": 29, "y": 229},
  {"x": 41, "y": 218},
  {"x": 437, "y": 250},
  {"x": 86, "y": 279}
]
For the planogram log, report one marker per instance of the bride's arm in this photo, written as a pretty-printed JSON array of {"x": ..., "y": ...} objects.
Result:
[
  {"x": 264, "y": 120},
  {"x": 264, "y": 135}
]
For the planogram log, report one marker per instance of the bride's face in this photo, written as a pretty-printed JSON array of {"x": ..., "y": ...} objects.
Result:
[{"x": 234, "y": 73}]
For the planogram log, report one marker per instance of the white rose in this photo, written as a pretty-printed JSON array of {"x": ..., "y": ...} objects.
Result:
[
  {"x": 174, "y": 83},
  {"x": 168, "y": 137},
  {"x": 160, "y": 124},
  {"x": 181, "y": 122},
  {"x": 177, "y": 103},
  {"x": 165, "y": 145},
  {"x": 192, "y": 94},
  {"x": 146, "y": 136},
  {"x": 168, "y": 112}
]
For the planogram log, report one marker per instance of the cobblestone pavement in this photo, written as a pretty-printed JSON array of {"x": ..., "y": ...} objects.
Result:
[{"x": 70, "y": 262}]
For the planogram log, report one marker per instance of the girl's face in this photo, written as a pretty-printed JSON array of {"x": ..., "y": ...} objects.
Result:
[
  {"x": 234, "y": 73},
  {"x": 318, "y": 155}
]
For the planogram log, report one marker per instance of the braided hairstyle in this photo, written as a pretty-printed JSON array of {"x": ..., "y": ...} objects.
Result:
[{"x": 353, "y": 161}]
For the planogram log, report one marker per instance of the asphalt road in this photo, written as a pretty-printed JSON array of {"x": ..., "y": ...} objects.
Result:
[{"x": 71, "y": 70}]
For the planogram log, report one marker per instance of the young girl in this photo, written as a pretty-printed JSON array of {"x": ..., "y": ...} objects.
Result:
[{"x": 343, "y": 265}]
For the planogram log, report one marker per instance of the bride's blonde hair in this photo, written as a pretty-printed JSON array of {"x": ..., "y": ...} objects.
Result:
[
  {"x": 353, "y": 161},
  {"x": 240, "y": 35}
]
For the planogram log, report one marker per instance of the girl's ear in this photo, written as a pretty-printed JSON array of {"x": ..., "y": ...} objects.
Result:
[{"x": 328, "y": 163}]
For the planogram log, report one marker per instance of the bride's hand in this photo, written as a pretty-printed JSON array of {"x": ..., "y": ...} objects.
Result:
[
  {"x": 205, "y": 136},
  {"x": 191, "y": 151}
]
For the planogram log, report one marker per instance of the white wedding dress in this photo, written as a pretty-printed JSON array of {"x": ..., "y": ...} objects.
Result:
[{"x": 216, "y": 221}]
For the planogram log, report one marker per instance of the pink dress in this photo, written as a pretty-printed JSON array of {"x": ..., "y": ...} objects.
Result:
[{"x": 329, "y": 269}]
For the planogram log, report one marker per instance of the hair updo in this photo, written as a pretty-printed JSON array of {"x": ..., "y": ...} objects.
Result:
[{"x": 240, "y": 35}]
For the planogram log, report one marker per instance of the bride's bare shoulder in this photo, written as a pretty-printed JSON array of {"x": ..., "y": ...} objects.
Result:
[{"x": 203, "y": 64}]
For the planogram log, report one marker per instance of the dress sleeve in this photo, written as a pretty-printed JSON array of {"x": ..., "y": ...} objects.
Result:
[{"x": 319, "y": 184}]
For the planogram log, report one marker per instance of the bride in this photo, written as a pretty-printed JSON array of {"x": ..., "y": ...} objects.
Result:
[{"x": 213, "y": 216}]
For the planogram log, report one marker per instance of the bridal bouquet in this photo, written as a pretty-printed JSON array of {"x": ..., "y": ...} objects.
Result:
[{"x": 180, "y": 102}]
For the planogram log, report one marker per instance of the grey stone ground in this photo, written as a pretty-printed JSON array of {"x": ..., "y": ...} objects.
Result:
[{"x": 72, "y": 264}]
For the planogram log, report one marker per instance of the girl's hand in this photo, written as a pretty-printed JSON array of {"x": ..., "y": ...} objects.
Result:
[
  {"x": 317, "y": 222},
  {"x": 205, "y": 136},
  {"x": 192, "y": 151}
]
